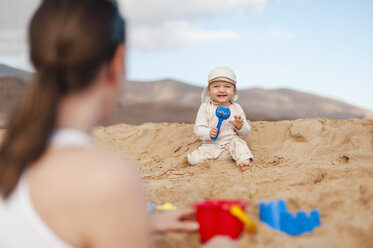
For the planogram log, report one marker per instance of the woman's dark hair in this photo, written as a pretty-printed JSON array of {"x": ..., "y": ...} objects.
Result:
[{"x": 69, "y": 41}]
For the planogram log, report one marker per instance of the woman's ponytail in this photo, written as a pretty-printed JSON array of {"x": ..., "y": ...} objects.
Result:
[{"x": 28, "y": 129}]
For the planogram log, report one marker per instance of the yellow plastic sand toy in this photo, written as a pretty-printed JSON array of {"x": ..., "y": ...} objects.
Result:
[
  {"x": 235, "y": 210},
  {"x": 167, "y": 206}
]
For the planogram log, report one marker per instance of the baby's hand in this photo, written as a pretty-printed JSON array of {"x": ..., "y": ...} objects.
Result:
[
  {"x": 238, "y": 122},
  {"x": 213, "y": 132}
]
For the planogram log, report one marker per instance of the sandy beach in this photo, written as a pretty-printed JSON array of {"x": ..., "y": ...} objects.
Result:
[{"x": 311, "y": 163}]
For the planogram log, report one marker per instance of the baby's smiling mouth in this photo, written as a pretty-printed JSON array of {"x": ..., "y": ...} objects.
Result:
[{"x": 221, "y": 95}]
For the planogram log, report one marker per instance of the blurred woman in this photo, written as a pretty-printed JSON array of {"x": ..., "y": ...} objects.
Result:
[{"x": 59, "y": 190}]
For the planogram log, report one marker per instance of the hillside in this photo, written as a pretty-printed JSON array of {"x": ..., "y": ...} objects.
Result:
[
  {"x": 10, "y": 72},
  {"x": 258, "y": 104},
  {"x": 11, "y": 89},
  {"x": 174, "y": 101}
]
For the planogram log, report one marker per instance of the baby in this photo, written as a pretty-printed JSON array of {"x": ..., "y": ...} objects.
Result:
[{"x": 221, "y": 91}]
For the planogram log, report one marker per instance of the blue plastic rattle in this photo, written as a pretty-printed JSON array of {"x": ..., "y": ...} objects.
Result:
[{"x": 222, "y": 113}]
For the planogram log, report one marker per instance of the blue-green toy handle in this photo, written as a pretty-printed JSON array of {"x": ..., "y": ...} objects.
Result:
[
  {"x": 218, "y": 127},
  {"x": 222, "y": 113}
]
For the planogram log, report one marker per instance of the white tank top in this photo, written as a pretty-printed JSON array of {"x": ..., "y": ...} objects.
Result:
[{"x": 20, "y": 224}]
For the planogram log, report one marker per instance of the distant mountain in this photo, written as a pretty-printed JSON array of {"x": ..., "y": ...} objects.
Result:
[
  {"x": 258, "y": 104},
  {"x": 10, "y": 72},
  {"x": 141, "y": 112},
  {"x": 173, "y": 101},
  {"x": 286, "y": 104},
  {"x": 11, "y": 89},
  {"x": 167, "y": 90}
]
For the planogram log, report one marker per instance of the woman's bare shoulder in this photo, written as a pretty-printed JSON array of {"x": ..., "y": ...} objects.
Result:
[
  {"x": 117, "y": 194},
  {"x": 97, "y": 166},
  {"x": 102, "y": 192}
]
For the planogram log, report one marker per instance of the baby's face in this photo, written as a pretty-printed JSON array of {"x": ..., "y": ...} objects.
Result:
[{"x": 221, "y": 92}]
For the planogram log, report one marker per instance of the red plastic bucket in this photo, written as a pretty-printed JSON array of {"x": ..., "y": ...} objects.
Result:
[{"x": 214, "y": 218}]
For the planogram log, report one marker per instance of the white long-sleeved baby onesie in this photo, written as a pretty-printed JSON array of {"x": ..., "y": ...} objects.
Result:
[{"x": 228, "y": 145}]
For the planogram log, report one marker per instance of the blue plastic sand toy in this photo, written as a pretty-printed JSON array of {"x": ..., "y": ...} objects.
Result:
[
  {"x": 276, "y": 215},
  {"x": 222, "y": 113}
]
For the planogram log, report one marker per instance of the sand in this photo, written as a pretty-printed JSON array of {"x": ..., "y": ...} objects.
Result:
[{"x": 311, "y": 163}]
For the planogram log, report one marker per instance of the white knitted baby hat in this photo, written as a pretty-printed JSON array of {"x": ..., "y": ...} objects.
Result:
[{"x": 220, "y": 73}]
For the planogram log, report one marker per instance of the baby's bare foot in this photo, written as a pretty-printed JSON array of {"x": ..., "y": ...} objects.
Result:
[{"x": 245, "y": 165}]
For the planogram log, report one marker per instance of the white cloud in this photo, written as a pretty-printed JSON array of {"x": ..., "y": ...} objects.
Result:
[
  {"x": 13, "y": 48},
  {"x": 155, "y": 11},
  {"x": 18, "y": 60},
  {"x": 153, "y": 24},
  {"x": 174, "y": 35},
  {"x": 16, "y": 14},
  {"x": 12, "y": 41},
  {"x": 14, "y": 18},
  {"x": 167, "y": 24}
]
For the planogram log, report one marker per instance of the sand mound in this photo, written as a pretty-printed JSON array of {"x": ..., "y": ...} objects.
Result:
[{"x": 312, "y": 163}]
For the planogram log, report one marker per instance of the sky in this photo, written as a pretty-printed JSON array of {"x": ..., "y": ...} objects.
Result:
[{"x": 314, "y": 46}]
